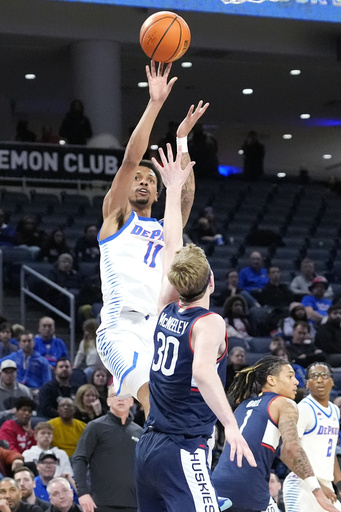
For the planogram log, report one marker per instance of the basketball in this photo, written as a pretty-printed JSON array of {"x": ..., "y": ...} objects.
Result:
[{"x": 165, "y": 36}]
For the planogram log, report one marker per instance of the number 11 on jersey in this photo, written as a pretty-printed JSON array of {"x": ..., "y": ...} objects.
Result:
[{"x": 150, "y": 256}]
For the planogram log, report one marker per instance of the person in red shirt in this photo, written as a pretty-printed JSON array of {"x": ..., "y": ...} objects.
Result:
[{"x": 18, "y": 432}]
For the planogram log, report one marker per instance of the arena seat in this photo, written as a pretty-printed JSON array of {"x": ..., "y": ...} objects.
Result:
[
  {"x": 34, "y": 283},
  {"x": 12, "y": 259},
  {"x": 337, "y": 380}
]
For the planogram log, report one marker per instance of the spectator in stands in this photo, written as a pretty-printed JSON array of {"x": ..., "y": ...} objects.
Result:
[
  {"x": 301, "y": 283},
  {"x": 18, "y": 432},
  {"x": 59, "y": 387},
  {"x": 47, "y": 344},
  {"x": 100, "y": 379},
  {"x": 47, "y": 135},
  {"x": 9, "y": 460},
  {"x": 23, "y": 133},
  {"x": 61, "y": 496},
  {"x": 316, "y": 304},
  {"x": 301, "y": 348},
  {"x": 87, "y": 356},
  {"x": 86, "y": 248},
  {"x": 296, "y": 312},
  {"x": 203, "y": 148},
  {"x": 236, "y": 361},
  {"x": 275, "y": 299},
  {"x": 90, "y": 300},
  {"x": 276, "y": 342},
  {"x": 10, "y": 496},
  {"x": 54, "y": 245},
  {"x": 46, "y": 465},
  {"x": 33, "y": 369},
  {"x": 275, "y": 488},
  {"x": 66, "y": 429},
  {"x": 283, "y": 353},
  {"x": 29, "y": 235},
  {"x": 67, "y": 277},
  {"x": 10, "y": 390},
  {"x": 25, "y": 480},
  {"x": 328, "y": 336},
  {"x": 232, "y": 289},
  {"x": 205, "y": 233},
  {"x": 254, "y": 277},
  {"x": 254, "y": 152},
  {"x": 43, "y": 433},
  {"x": 76, "y": 127},
  {"x": 275, "y": 293},
  {"x": 87, "y": 403},
  {"x": 7, "y": 232},
  {"x": 235, "y": 314},
  {"x": 17, "y": 329},
  {"x": 6, "y": 347}
]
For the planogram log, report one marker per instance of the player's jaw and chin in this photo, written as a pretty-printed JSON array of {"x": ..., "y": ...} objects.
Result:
[
  {"x": 286, "y": 386},
  {"x": 145, "y": 199}
]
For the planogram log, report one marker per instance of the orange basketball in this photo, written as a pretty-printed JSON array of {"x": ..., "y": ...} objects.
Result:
[{"x": 165, "y": 36}]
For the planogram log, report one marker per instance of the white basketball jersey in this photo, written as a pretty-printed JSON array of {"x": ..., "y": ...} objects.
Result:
[
  {"x": 318, "y": 428},
  {"x": 131, "y": 269}
]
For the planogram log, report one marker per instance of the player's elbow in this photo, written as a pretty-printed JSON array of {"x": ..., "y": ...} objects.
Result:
[
  {"x": 201, "y": 372},
  {"x": 130, "y": 160}
]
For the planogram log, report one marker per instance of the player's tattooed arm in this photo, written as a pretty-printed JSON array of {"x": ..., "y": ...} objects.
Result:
[
  {"x": 187, "y": 192},
  {"x": 292, "y": 452}
]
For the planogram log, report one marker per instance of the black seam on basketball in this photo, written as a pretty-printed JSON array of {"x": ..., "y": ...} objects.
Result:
[
  {"x": 156, "y": 21},
  {"x": 177, "y": 49},
  {"x": 157, "y": 46}
]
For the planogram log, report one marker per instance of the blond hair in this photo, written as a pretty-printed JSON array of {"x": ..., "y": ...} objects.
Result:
[
  {"x": 43, "y": 425},
  {"x": 190, "y": 273},
  {"x": 78, "y": 403}
]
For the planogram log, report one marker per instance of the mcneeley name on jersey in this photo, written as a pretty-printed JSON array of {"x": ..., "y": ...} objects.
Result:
[{"x": 172, "y": 324}]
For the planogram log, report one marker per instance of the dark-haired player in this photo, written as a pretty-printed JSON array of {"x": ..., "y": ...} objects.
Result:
[
  {"x": 131, "y": 246},
  {"x": 267, "y": 413},
  {"x": 318, "y": 429}
]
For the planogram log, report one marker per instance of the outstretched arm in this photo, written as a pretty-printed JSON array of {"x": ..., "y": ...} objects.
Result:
[
  {"x": 208, "y": 341},
  {"x": 173, "y": 177},
  {"x": 188, "y": 189},
  {"x": 116, "y": 199}
]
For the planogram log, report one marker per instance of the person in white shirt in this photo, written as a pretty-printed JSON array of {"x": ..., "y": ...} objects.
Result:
[{"x": 43, "y": 433}]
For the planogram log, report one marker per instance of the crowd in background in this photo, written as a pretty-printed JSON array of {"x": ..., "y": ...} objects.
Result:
[{"x": 41, "y": 390}]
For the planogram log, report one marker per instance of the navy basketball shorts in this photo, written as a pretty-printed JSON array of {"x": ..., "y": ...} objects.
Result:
[{"x": 170, "y": 478}]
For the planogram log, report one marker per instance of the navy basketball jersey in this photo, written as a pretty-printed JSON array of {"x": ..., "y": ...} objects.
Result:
[
  {"x": 263, "y": 438},
  {"x": 176, "y": 405}
]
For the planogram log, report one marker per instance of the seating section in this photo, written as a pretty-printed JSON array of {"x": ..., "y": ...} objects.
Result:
[
  {"x": 286, "y": 221},
  {"x": 70, "y": 211}
]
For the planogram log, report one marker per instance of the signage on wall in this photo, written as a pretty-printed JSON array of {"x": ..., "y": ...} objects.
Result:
[{"x": 309, "y": 10}]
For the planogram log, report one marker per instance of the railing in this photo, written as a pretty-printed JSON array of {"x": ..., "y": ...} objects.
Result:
[{"x": 26, "y": 292}]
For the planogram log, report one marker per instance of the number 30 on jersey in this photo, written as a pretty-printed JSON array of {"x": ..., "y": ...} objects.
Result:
[{"x": 167, "y": 354}]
